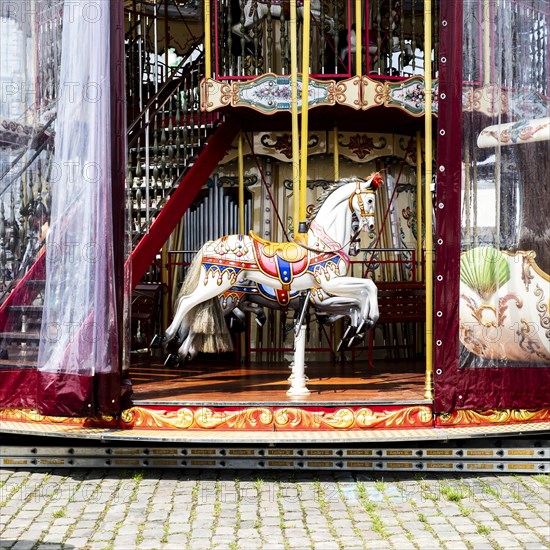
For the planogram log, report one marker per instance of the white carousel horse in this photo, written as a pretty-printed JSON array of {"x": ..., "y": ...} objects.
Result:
[
  {"x": 256, "y": 10},
  {"x": 319, "y": 260}
]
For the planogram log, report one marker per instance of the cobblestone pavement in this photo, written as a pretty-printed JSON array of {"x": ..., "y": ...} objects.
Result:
[{"x": 113, "y": 509}]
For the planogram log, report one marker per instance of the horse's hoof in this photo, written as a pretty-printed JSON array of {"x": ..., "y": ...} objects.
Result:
[
  {"x": 3, "y": 353},
  {"x": 349, "y": 333},
  {"x": 183, "y": 360},
  {"x": 357, "y": 340},
  {"x": 170, "y": 360},
  {"x": 343, "y": 345},
  {"x": 157, "y": 341},
  {"x": 260, "y": 320},
  {"x": 172, "y": 346}
]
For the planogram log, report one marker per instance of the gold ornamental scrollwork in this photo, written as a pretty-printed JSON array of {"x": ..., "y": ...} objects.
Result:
[
  {"x": 401, "y": 418},
  {"x": 215, "y": 94},
  {"x": 32, "y": 416},
  {"x": 337, "y": 92},
  {"x": 382, "y": 93},
  {"x": 347, "y": 419},
  {"x": 138, "y": 417},
  {"x": 491, "y": 416},
  {"x": 201, "y": 418},
  {"x": 238, "y": 420}
]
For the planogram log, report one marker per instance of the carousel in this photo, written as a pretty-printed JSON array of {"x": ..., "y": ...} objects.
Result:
[{"x": 240, "y": 226}]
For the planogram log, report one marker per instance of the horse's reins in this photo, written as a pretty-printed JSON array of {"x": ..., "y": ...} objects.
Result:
[{"x": 364, "y": 214}]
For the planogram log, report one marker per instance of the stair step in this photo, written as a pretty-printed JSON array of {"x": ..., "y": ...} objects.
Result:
[
  {"x": 25, "y": 309},
  {"x": 17, "y": 363},
  {"x": 20, "y": 336},
  {"x": 36, "y": 283}
]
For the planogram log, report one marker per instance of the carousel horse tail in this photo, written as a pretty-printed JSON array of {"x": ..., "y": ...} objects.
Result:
[
  {"x": 208, "y": 330},
  {"x": 190, "y": 283},
  {"x": 191, "y": 280}
]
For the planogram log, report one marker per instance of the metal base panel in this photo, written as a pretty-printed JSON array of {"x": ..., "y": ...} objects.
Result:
[{"x": 515, "y": 456}]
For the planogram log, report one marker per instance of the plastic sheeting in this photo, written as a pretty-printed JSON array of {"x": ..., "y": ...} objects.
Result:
[
  {"x": 79, "y": 329},
  {"x": 493, "y": 209}
]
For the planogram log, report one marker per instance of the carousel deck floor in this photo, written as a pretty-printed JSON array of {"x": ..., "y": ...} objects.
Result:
[{"x": 209, "y": 382}]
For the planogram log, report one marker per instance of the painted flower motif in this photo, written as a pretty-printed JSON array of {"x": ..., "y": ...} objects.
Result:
[
  {"x": 361, "y": 145},
  {"x": 270, "y": 93}
]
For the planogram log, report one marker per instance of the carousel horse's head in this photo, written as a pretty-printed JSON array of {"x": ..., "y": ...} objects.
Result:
[{"x": 362, "y": 202}]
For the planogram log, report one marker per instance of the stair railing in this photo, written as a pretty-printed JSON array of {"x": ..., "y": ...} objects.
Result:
[
  {"x": 165, "y": 139},
  {"x": 24, "y": 215}
]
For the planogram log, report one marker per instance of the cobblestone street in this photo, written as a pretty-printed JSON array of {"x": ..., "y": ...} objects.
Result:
[{"x": 110, "y": 509}]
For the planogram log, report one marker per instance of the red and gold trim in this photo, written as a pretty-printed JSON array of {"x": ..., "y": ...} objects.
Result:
[
  {"x": 276, "y": 418},
  {"x": 491, "y": 417},
  {"x": 32, "y": 417}
]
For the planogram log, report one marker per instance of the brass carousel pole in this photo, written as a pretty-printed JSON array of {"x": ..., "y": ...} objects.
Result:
[
  {"x": 242, "y": 346},
  {"x": 336, "y": 159},
  {"x": 418, "y": 206},
  {"x": 358, "y": 39},
  {"x": 241, "y": 184},
  {"x": 294, "y": 112},
  {"x": 298, "y": 378},
  {"x": 419, "y": 236},
  {"x": 428, "y": 385},
  {"x": 305, "y": 110},
  {"x": 207, "y": 41}
]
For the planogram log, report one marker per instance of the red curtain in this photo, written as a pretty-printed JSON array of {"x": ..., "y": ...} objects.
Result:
[{"x": 489, "y": 348}]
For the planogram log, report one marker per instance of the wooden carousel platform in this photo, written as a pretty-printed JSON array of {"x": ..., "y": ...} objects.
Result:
[
  {"x": 394, "y": 382},
  {"x": 225, "y": 402}
]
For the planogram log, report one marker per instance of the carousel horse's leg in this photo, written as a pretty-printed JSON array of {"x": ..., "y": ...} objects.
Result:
[
  {"x": 184, "y": 352},
  {"x": 174, "y": 334},
  {"x": 236, "y": 319},
  {"x": 366, "y": 293},
  {"x": 257, "y": 310}
]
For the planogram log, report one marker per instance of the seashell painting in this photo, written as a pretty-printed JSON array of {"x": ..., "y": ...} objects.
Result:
[{"x": 484, "y": 269}]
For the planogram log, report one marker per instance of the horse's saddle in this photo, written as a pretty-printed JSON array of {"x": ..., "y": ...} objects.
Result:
[{"x": 281, "y": 261}]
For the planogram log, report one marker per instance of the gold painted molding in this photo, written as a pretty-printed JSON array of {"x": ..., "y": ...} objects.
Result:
[
  {"x": 491, "y": 417},
  {"x": 278, "y": 418},
  {"x": 32, "y": 416}
]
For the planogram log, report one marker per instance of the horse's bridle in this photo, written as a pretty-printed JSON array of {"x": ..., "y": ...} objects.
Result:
[
  {"x": 359, "y": 194},
  {"x": 364, "y": 214}
]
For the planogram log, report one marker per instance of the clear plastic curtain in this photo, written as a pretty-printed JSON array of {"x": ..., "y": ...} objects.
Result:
[
  {"x": 79, "y": 332},
  {"x": 504, "y": 274},
  {"x": 492, "y": 330}
]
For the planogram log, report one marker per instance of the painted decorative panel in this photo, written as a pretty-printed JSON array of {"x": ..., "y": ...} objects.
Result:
[{"x": 271, "y": 93}]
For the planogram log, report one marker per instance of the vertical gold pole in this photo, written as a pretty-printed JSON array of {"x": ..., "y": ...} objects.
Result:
[
  {"x": 336, "y": 153},
  {"x": 338, "y": 325},
  {"x": 242, "y": 346},
  {"x": 207, "y": 41},
  {"x": 305, "y": 111},
  {"x": 166, "y": 39},
  {"x": 486, "y": 42},
  {"x": 358, "y": 39},
  {"x": 241, "y": 183},
  {"x": 428, "y": 386},
  {"x": 419, "y": 199},
  {"x": 294, "y": 111},
  {"x": 165, "y": 289}
]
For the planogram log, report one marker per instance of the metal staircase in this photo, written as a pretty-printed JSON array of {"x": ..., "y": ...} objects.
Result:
[{"x": 172, "y": 149}]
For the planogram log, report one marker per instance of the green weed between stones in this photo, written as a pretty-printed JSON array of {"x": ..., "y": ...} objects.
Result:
[
  {"x": 370, "y": 508},
  {"x": 454, "y": 493},
  {"x": 483, "y": 530},
  {"x": 542, "y": 478}
]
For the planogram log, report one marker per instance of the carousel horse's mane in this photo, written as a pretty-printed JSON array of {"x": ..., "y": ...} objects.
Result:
[{"x": 328, "y": 191}]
